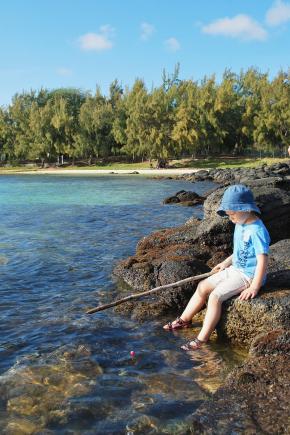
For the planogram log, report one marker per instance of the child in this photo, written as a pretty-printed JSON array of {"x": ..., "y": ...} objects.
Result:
[{"x": 243, "y": 273}]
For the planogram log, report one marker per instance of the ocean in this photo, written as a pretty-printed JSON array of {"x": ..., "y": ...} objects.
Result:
[{"x": 62, "y": 371}]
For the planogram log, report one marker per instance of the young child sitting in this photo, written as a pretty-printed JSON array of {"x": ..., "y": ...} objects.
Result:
[{"x": 243, "y": 273}]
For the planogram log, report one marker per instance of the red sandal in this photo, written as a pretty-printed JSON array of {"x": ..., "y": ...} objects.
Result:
[
  {"x": 193, "y": 344},
  {"x": 179, "y": 324}
]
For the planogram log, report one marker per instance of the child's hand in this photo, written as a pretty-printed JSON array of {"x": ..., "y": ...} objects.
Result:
[
  {"x": 219, "y": 267},
  {"x": 248, "y": 293}
]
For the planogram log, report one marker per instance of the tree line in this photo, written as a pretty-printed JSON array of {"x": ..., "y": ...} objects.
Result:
[{"x": 180, "y": 117}]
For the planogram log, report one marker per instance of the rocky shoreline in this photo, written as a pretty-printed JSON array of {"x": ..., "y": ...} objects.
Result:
[
  {"x": 255, "y": 397},
  {"x": 234, "y": 175}
]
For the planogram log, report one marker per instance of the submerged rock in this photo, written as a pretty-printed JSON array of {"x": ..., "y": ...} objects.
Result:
[
  {"x": 3, "y": 260},
  {"x": 143, "y": 424},
  {"x": 40, "y": 394},
  {"x": 21, "y": 426}
]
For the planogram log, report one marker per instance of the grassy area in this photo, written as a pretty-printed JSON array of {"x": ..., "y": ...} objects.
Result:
[
  {"x": 218, "y": 162},
  {"x": 225, "y": 162},
  {"x": 108, "y": 166}
]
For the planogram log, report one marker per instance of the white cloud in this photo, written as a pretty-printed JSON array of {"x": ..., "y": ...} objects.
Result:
[
  {"x": 97, "y": 41},
  {"x": 147, "y": 31},
  {"x": 241, "y": 26},
  {"x": 279, "y": 13},
  {"x": 172, "y": 44},
  {"x": 65, "y": 72}
]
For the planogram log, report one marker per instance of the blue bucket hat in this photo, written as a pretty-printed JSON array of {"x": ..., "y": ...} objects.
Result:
[{"x": 238, "y": 198}]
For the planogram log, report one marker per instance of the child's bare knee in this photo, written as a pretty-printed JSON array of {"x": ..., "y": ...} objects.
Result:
[
  {"x": 215, "y": 298},
  {"x": 203, "y": 289}
]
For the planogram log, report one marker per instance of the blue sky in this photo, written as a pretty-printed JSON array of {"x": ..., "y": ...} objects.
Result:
[{"x": 84, "y": 43}]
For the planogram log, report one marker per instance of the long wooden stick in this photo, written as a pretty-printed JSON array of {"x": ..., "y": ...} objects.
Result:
[{"x": 148, "y": 292}]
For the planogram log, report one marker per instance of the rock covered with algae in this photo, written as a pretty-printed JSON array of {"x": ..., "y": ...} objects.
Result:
[
  {"x": 242, "y": 321},
  {"x": 255, "y": 397}
]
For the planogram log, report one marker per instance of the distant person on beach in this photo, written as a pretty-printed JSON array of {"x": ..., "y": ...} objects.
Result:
[{"x": 243, "y": 273}]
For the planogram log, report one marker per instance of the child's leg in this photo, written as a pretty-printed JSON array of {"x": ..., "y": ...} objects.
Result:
[
  {"x": 198, "y": 300},
  {"x": 212, "y": 316},
  {"x": 232, "y": 285},
  {"x": 195, "y": 304}
]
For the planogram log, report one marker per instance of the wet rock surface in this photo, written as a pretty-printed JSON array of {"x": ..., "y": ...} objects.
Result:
[{"x": 255, "y": 396}]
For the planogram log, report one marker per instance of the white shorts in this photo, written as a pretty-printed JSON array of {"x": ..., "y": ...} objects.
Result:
[{"x": 228, "y": 282}]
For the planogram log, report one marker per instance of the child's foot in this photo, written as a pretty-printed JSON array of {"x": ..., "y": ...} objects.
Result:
[
  {"x": 193, "y": 345},
  {"x": 177, "y": 324}
]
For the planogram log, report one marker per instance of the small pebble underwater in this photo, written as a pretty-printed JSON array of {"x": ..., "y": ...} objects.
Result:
[{"x": 62, "y": 371}]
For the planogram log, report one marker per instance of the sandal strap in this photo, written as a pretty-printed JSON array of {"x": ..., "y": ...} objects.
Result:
[
  {"x": 189, "y": 346},
  {"x": 198, "y": 341},
  {"x": 180, "y": 321}
]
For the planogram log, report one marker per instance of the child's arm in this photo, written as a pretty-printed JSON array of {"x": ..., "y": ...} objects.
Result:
[
  {"x": 252, "y": 291},
  {"x": 221, "y": 266}
]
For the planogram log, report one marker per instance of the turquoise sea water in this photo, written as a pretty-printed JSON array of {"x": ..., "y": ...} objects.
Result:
[{"x": 62, "y": 370}]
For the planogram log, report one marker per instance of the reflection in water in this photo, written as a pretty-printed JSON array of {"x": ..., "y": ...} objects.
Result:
[
  {"x": 213, "y": 361},
  {"x": 65, "y": 372}
]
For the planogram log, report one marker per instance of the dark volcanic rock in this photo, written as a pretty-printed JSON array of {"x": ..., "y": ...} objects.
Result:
[
  {"x": 255, "y": 396},
  {"x": 272, "y": 197},
  {"x": 184, "y": 198},
  {"x": 241, "y": 321},
  {"x": 201, "y": 175},
  {"x": 272, "y": 343},
  {"x": 171, "y": 255},
  {"x": 239, "y": 175},
  {"x": 171, "y": 200},
  {"x": 171, "y": 264},
  {"x": 254, "y": 400}
]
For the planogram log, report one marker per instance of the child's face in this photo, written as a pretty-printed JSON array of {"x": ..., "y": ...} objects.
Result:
[{"x": 238, "y": 217}]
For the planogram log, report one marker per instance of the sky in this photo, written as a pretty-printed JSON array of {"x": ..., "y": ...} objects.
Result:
[{"x": 88, "y": 43}]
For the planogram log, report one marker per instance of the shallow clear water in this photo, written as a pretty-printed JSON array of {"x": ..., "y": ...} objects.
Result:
[{"x": 61, "y": 369}]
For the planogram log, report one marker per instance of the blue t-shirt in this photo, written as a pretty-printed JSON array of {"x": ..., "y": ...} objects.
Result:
[{"x": 250, "y": 240}]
